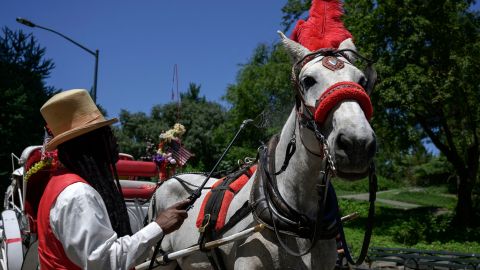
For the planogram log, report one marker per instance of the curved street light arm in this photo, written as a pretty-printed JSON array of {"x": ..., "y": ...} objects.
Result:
[{"x": 95, "y": 54}]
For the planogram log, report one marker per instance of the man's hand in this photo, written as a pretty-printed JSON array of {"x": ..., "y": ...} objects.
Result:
[{"x": 172, "y": 218}]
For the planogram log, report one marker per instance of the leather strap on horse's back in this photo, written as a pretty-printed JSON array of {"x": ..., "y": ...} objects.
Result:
[{"x": 218, "y": 199}]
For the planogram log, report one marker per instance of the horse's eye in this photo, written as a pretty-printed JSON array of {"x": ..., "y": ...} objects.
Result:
[
  {"x": 363, "y": 82},
  {"x": 309, "y": 82}
]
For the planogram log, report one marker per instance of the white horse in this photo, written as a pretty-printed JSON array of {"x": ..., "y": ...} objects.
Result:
[{"x": 351, "y": 142}]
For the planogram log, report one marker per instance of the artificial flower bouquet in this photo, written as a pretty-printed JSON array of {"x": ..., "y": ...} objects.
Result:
[{"x": 170, "y": 153}]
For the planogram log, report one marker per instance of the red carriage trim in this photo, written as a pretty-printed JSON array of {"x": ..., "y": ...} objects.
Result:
[
  {"x": 138, "y": 190},
  {"x": 13, "y": 240},
  {"x": 136, "y": 168}
]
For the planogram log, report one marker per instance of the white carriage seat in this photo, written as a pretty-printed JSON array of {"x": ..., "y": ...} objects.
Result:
[
  {"x": 136, "y": 195},
  {"x": 27, "y": 152}
]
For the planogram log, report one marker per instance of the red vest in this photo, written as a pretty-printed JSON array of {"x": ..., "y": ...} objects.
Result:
[{"x": 50, "y": 250}]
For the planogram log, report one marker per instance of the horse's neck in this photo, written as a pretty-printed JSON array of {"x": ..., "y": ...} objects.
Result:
[{"x": 298, "y": 183}]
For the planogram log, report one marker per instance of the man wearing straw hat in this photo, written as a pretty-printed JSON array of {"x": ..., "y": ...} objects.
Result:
[{"x": 82, "y": 220}]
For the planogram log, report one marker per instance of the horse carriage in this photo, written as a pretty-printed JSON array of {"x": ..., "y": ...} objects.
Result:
[{"x": 18, "y": 228}]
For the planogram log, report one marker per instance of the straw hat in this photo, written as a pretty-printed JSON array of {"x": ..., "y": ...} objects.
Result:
[{"x": 70, "y": 114}]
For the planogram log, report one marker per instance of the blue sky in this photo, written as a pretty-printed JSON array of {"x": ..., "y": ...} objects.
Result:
[{"x": 141, "y": 41}]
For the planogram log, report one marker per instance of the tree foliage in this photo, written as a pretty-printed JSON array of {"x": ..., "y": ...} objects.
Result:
[
  {"x": 135, "y": 130},
  {"x": 23, "y": 70},
  {"x": 199, "y": 116},
  {"x": 262, "y": 92},
  {"x": 428, "y": 60},
  {"x": 293, "y": 11}
]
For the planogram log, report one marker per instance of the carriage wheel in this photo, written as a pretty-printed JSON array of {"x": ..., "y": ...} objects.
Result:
[{"x": 11, "y": 245}]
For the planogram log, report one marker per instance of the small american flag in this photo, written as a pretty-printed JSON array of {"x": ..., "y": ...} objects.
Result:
[{"x": 179, "y": 153}]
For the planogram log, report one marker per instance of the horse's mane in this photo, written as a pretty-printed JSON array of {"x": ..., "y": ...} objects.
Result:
[{"x": 324, "y": 27}]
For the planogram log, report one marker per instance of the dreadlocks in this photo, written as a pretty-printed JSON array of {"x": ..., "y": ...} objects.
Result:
[{"x": 93, "y": 156}]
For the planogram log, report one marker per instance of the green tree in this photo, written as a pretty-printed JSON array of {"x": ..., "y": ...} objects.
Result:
[
  {"x": 199, "y": 116},
  {"x": 262, "y": 92},
  {"x": 23, "y": 70},
  {"x": 428, "y": 61},
  {"x": 135, "y": 130},
  {"x": 293, "y": 11},
  {"x": 193, "y": 93}
]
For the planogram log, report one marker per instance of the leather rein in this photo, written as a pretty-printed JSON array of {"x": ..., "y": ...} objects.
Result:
[{"x": 271, "y": 209}]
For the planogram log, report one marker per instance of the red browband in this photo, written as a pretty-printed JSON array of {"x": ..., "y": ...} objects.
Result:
[{"x": 339, "y": 92}]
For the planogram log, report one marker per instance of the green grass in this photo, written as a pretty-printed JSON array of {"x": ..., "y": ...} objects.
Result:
[
  {"x": 344, "y": 187},
  {"x": 418, "y": 228},
  {"x": 425, "y": 197},
  {"x": 355, "y": 238},
  {"x": 443, "y": 189}
]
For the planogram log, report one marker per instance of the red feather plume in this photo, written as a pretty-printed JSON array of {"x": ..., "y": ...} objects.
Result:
[{"x": 324, "y": 27}]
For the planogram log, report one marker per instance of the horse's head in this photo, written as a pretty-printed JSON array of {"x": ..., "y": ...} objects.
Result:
[{"x": 335, "y": 93}]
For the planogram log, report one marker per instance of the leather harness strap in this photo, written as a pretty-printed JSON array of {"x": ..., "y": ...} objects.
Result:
[{"x": 208, "y": 229}]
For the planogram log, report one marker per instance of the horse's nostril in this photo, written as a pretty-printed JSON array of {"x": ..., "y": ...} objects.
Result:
[
  {"x": 344, "y": 143},
  {"x": 351, "y": 146}
]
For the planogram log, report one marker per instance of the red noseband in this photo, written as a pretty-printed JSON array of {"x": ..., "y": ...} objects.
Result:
[{"x": 339, "y": 92}]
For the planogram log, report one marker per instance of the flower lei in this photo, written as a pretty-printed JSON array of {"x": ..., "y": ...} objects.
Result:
[
  {"x": 48, "y": 162},
  {"x": 42, "y": 164}
]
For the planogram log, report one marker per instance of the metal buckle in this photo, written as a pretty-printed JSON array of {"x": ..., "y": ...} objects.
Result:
[{"x": 206, "y": 221}]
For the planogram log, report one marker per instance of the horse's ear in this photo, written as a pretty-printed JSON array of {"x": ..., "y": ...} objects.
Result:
[
  {"x": 294, "y": 49},
  {"x": 348, "y": 44}
]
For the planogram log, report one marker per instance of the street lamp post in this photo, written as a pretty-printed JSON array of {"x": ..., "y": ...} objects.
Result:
[{"x": 95, "y": 54}]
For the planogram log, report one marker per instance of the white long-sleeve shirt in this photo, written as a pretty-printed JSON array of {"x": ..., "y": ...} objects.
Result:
[{"x": 80, "y": 221}]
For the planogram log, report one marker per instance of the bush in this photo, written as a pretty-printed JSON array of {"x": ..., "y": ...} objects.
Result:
[
  {"x": 351, "y": 206},
  {"x": 409, "y": 232},
  {"x": 434, "y": 172},
  {"x": 428, "y": 227}
]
